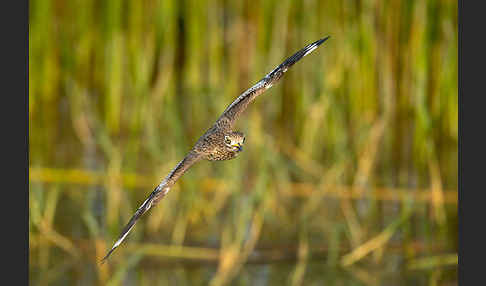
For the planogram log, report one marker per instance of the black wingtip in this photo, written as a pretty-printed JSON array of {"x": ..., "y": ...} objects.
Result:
[
  {"x": 275, "y": 75},
  {"x": 303, "y": 52},
  {"x": 322, "y": 40},
  {"x": 102, "y": 261},
  {"x": 317, "y": 43}
]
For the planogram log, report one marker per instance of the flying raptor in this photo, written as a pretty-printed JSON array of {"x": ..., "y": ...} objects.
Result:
[{"x": 219, "y": 142}]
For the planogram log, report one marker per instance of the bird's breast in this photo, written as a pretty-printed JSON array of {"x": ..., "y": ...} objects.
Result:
[{"x": 221, "y": 154}]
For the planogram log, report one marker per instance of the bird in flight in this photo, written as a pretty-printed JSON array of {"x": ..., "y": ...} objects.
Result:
[{"x": 219, "y": 142}]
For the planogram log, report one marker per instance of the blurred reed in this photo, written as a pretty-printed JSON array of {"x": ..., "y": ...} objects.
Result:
[{"x": 351, "y": 158}]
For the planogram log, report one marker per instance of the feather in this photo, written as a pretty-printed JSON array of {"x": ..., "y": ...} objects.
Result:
[
  {"x": 158, "y": 193},
  {"x": 233, "y": 111}
]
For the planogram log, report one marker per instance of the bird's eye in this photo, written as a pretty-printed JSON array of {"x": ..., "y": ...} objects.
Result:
[{"x": 227, "y": 140}]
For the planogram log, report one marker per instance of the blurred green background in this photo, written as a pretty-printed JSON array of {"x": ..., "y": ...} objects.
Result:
[{"x": 349, "y": 173}]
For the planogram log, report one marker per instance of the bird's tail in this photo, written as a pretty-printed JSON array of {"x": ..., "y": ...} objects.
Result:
[{"x": 278, "y": 72}]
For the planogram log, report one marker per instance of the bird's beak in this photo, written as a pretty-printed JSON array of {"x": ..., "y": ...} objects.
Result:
[{"x": 240, "y": 148}]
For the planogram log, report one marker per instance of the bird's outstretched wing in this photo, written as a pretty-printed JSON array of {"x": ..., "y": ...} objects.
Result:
[
  {"x": 234, "y": 110},
  {"x": 159, "y": 192}
]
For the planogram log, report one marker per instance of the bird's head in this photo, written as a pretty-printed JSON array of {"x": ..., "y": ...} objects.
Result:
[{"x": 234, "y": 141}]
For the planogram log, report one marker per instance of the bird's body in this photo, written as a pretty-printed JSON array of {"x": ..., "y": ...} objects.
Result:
[
  {"x": 219, "y": 142},
  {"x": 211, "y": 144}
]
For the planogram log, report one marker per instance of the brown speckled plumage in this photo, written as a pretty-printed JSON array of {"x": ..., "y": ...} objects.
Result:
[{"x": 219, "y": 142}]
